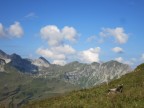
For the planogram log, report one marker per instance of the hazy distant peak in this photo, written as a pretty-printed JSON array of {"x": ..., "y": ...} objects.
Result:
[
  {"x": 41, "y": 62},
  {"x": 42, "y": 58},
  {"x": 4, "y": 56}
]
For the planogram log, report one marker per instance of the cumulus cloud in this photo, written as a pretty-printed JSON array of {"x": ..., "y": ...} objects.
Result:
[
  {"x": 90, "y": 55},
  {"x": 121, "y": 60},
  {"x": 118, "y": 33},
  {"x": 55, "y": 36},
  {"x": 57, "y": 53},
  {"x": 65, "y": 49},
  {"x": 60, "y": 62},
  {"x": 14, "y": 30},
  {"x": 69, "y": 33},
  {"x": 117, "y": 50},
  {"x": 52, "y": 34},
  {"x": 51, "y": 54}
]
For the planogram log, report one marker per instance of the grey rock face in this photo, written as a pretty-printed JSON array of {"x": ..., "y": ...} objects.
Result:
[
  {"x": 41, "y": 63},
  {"x": 23, "y": 65},
  {"x": 87, "y": 75},
  {"x": 2, "y": 63},
  {"x": 4, "y": 56}
]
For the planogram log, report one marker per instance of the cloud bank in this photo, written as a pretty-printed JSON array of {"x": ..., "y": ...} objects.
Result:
[{"x": 59, "y": 49}]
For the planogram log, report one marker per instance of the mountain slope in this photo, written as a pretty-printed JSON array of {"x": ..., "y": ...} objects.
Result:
[
  {"x": 23, "y": 65},
  {"x": 97, "y": 97},
  {"x": 5, "y": 56},
  {"x": 17, "y": 88},
  {"x": 88, "y": 75}
]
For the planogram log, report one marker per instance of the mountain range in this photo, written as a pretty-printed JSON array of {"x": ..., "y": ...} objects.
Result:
[{"x": 24, "y": 79}]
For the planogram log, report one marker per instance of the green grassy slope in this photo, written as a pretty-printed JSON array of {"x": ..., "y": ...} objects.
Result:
[
  {"x": 17, "y": 89},
  {"x": 97, "y": 97}
]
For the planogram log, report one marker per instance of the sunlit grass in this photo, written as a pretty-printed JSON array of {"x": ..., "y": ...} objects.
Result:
[{"x": 97, "y": 97}]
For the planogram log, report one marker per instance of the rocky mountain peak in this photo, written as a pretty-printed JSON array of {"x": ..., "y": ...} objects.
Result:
[
  {"x": 41, "y": 62},
  {"x": 42, "y": 58},
  {"x": 4, "y": 56},
  {"x": 15, "y": 56},
  {"x": 2, "y": 53}
]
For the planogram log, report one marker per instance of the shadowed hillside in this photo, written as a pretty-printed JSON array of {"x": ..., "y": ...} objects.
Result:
[{"x": 97, "y": 97}]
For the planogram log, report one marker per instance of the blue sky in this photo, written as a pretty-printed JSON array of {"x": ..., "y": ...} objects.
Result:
[{"x": 68, "y": 30}]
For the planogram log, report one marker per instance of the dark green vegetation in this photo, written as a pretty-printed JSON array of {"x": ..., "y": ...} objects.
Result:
[
  {"x": 17, "y": 88},
  {"x": 97, "y": 97}
]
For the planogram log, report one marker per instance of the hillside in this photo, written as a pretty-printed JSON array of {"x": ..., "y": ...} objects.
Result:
[
  {"x": 23, "y": 80},
  {"x": 97, "y": 97},
  {"x": 17, "y": 88}
]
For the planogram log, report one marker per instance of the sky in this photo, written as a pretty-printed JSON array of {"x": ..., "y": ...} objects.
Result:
[{"x": 63, "y": 31}]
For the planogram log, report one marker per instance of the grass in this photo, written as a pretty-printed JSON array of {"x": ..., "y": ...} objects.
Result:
[
  {"x": 35, "y": 88},
  {"x": 97, "y": 97}
]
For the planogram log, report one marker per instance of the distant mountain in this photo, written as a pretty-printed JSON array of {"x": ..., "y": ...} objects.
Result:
[
  {"x": 41, "y": 62},
  {"x": 5, "y": 56},
  {"x": 87, "y": 75},
  {"x": 23, "y": 65},
  {"x": 84, "y": 75},
  {"x": 23, "y": 79}
]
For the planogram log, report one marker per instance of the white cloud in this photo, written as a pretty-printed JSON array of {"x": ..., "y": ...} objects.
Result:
[
  {"x": 2, "y": 32},
  {"x": 59, "y": 51},
  {"x": 60, "y": 62},
  {"x": 65, "y": 49},
  {"x": 50, "y": 54},
  {"x": 118, "y": 33},
  {"x": 15, "y": 30},
  {"x": 52, "y": 34},
  {"x": 121, "y": 60},
  {"x": 90, "y": 55},
  {"x": 58, "y": 54},
  {"x": 55, "y": 36},
  {"x": 117, "y": 50},
  {"x": 69, "y": 33}
]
